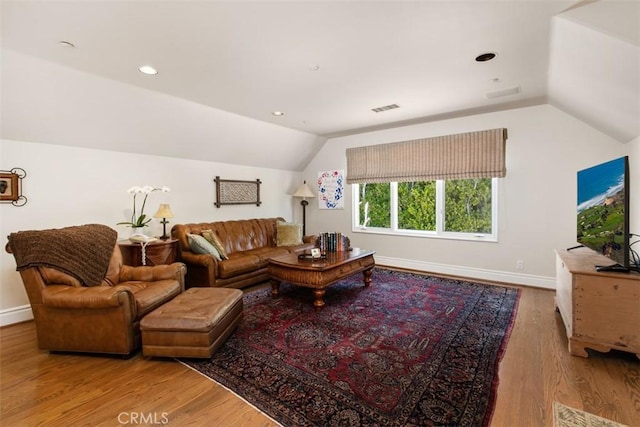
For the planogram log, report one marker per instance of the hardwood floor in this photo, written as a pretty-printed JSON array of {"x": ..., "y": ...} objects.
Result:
[{"x": 38, "y": 388}]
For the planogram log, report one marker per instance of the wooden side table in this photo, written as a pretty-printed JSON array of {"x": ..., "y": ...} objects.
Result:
[{"x": 159, "y": 252}]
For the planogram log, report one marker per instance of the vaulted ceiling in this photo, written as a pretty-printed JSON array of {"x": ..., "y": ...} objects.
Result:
[{"x": 224, "y": 67}]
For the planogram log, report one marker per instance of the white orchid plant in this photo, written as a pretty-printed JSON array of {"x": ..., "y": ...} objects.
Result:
[{"x": 141, "y": 220}]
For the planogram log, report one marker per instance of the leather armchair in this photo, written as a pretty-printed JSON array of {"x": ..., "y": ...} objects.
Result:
[{"x": 98, "y": 319}]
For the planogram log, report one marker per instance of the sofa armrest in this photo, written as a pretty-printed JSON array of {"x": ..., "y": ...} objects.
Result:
[
  {"x": 63, "y": 296},
  {"x": 202, "y": 260},
  {"x": 310, "y": 239},
  {"x": 203, "y": 268},
  {"x": 175, "y": 271}
]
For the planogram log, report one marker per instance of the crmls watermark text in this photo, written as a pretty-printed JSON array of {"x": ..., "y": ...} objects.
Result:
[{"x": 150, "y": 418}]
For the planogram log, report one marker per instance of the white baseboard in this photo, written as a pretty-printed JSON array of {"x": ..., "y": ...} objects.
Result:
[
  {"x": 13, "y": 315},
  {"x": 469, "y": 272}
]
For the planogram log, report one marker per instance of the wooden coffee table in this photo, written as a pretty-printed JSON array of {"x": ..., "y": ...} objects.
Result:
[{"x": 317, "y": 274}]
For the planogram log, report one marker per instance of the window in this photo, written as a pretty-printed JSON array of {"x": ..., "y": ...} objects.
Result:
[
  {"x": 461, "y": 208},
  {"x": 375, "y": 209},
  {"x": 440, "y": 186},
  {"x": 417, "y": 205}
]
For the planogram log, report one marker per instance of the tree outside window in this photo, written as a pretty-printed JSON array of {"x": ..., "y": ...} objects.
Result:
[
  {"x": 417, "y": 205},
  {"x": 375, "y": 205},
  {"x": 468, "y": 206}
]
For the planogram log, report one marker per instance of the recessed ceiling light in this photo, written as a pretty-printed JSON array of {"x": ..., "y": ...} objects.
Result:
[
  {"x": 314, "y": 67},
  {"x": 278, "y": 113},
  {"x": 148, "y": 69},
  {"x": 66, "y": 44},
  {"x": 484, "y": 57}
]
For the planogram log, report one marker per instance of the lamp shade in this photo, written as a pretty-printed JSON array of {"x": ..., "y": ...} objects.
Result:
[
  {"x": 304, "y": 191},
  {"x": 164, "y": 211}
]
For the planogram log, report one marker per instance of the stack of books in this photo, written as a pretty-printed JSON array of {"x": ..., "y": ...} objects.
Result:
[{"x": 333, "y": 242}]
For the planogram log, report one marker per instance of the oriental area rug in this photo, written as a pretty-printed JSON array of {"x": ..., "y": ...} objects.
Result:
[{"x": 408, "y": 350}]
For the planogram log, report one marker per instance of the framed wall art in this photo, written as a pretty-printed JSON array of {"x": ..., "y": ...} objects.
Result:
[
  {"x": 234, "y": 192},
  {"x": 11, "y": 186},
  {"x": 331, "y": 189}
]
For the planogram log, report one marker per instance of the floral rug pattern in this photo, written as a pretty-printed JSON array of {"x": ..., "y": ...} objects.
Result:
[{"x": 408, "y": 350}]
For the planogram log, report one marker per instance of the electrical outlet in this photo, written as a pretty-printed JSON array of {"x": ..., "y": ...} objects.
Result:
[{"x": 520, "y": 264}]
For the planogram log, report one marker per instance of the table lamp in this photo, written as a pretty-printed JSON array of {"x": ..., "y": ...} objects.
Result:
[
  {"x": 304, "y": 191},
  {"x": 164, "y": 212}
]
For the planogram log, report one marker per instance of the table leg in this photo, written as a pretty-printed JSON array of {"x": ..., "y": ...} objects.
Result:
[
  {"x": 275, "y": 288},
  {"x": 318, "y": 303},
  {"x": 367, "y": 277}
]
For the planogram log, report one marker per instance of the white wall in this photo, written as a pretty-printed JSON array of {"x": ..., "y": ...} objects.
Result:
[
  {"x": 632, "y": 149},
  {"x": 71, "y": 186},
  {"x": 537, "y": 198}
]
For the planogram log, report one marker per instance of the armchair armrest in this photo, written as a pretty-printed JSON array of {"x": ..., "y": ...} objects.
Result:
[
  {"x": 63, "y": 296},
  {"x": 175, "y": 271},
  {"x": 310, "y": 239}
]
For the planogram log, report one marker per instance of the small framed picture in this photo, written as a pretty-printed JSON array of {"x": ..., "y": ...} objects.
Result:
[
  {"x": 315, "y": 253},
  {"x": 9, "y": 187}
]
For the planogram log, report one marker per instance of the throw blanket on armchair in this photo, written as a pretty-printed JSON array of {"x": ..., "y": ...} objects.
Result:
[{"x": 82, "y": 251}]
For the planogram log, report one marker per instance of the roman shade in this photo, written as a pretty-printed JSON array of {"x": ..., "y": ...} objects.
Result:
[{"x": 478, "y": 154}]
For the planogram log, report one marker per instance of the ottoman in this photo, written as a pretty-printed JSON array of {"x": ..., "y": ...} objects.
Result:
[{"x": 193, "y": 324}]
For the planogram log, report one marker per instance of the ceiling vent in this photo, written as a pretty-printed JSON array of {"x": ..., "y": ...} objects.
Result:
[
  {"x": 503, "y": 92},
  {"x": 385, "y": 108}
]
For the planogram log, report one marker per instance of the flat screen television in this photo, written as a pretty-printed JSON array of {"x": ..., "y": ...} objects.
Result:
[{"x": 603, "y": 211}]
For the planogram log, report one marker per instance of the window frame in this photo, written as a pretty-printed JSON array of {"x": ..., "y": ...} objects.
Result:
[{"x": 439, "y": 232}]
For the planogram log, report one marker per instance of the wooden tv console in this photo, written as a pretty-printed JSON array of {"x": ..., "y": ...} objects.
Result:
[{"x": 600, "y": 310}]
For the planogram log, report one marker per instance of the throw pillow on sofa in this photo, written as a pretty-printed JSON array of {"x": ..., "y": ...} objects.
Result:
[
  {"x": 215, "y": 241},
  {"x": 288, "y": 234},
  {"x": 200, "y": 245}
]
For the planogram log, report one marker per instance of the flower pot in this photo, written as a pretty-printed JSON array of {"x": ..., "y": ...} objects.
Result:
[{"x": 137, "y": 234}]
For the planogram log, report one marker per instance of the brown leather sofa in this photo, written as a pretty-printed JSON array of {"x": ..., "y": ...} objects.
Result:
[
  {"x": 248, "y": 245},
  {"x": 98, "y": 319}
]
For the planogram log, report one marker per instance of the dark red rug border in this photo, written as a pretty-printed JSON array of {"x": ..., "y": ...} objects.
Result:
[{"x": 503, "y": 349}]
